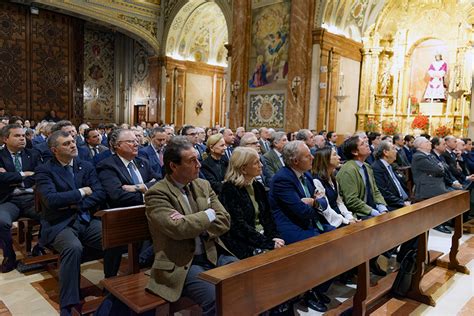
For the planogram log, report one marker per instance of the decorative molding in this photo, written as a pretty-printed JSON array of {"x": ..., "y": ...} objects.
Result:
[
  {"x": 134, "y": 18},
  {"x": 342, "y": 45}
]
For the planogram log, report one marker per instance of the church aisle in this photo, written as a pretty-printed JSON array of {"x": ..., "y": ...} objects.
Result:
[{"x": 37, "y": 293}]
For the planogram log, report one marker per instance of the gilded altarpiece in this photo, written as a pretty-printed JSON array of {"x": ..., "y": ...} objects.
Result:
[{"x": 399, "y": 55}]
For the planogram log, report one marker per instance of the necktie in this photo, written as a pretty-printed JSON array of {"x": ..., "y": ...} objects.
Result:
[
  {"x": 160, "y": 156},
  {"x": 397, "y": 183},
  {"x": 134, "y": 175},
  {"x": 228, "y": 153},
  {"x": 370, "y": 198},
  {"x": 191, "y": 200},
  {"x": 267, "y": 148},
  {"x": 307, "y": 194},
  {"x": 96, "y": 151},
  {"x": 17, "y": 162},
  {"x": 305, "y": 187}
]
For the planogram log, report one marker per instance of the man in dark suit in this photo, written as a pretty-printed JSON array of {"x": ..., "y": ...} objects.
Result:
[
  {"x": 264, "y": 140},
  {"x": 402, "y": 160},
  {"x": 70, "y": 194},
  {"x": 391, "y": 186},
  {"x": 438, "y": 151},
  {"x": 408, "y": 146},
  {"x": 191, "y": 134},
  {"x": 295, "y": 206},
  {"x": 467, "y": 155},
  {"x": 17, "y": 165},
  {"x": 92, "y": 146},
  {"x": 274, "y": 157},
  {"x": 428, "y": 174},
  {"x": 229, "y": 138},
  {"x": 124, "y": 176},
  {"x": 154, "y": 153}
]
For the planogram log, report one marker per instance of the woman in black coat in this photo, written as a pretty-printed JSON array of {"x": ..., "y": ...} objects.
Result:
[
  {"x": 215, "y": 165},
  {"x": 247, "y": 203}
]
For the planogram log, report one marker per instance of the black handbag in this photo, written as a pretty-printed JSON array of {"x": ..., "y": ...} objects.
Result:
[{"x": 408, "y": 267}]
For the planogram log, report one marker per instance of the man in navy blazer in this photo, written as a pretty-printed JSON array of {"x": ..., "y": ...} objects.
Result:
[
  {"x": 154, "y": 152},
  {"x": 295, "y": 206},
  {"x": 70, "y": 194},
  {"x": 124, "y": 176},
  {"x": 389, "y": 183},
  {"x": 17, "y": 165}
]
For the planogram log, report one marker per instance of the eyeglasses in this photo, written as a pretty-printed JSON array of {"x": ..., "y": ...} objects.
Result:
[
  {"x": 129, "y": 141},
  {"x": 191, "y": 134}
]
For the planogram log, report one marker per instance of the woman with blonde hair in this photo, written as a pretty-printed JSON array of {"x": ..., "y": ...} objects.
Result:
[
  {"x": 215, "y": 164},
  {"x": 252, "y": 229}
]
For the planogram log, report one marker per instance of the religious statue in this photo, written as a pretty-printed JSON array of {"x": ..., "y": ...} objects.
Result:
[
  {"x": 436, "y": 89},
  {"x": 385, "y": 77}
]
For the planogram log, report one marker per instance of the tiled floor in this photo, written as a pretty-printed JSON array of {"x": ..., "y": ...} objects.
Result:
[{"x": 36, "y": 293}]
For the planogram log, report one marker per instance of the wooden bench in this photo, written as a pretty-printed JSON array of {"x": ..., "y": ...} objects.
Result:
[
  {"x": 129, "y": 226},
  {"x": 259, "y": 283}
]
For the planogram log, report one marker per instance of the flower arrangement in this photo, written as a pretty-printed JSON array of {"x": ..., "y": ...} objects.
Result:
[
  {"x": 420, "y": 121},
  {"x": 371, "y": 125},
  {"x": 390, "y": 127},
  {"x": 442, "y": 131}
]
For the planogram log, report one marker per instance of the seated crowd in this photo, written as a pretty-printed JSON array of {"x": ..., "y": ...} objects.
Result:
[{"x": 212, "y": 196}]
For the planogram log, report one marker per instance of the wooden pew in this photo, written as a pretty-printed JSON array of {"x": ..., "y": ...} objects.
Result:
[
  {"x": 259, "y": 283},
  {"x": 129, "y": 226}
]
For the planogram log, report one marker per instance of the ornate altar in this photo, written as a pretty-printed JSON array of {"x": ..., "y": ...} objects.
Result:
[{"x": 400, "y": 49}]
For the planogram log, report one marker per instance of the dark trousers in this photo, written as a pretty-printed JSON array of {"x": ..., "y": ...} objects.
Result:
[
  {"x": 16, "y": 207},
  {"x": 200, "y": 291},
  {"x": 70, "y": 243}
]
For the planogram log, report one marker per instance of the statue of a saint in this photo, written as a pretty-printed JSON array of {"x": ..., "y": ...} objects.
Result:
[
  {"x": 385, "y": 77},
  {"x": 436, "y": 89}
]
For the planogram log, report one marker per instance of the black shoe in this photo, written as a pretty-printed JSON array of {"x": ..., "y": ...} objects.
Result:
[
  {"x": 442, "y": 229},
  {"x": 323, "y": 298},
  {"x": 8, "y": 264},
  {"x": 377, "y": 270},
  {"x": 312, "y": 301},
  {"x": 38, "y": 251}
]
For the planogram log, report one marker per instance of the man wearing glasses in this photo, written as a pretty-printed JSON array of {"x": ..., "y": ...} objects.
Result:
[
  {"x": 125, "y": 176},
  {"x": 192, "y": 136}
]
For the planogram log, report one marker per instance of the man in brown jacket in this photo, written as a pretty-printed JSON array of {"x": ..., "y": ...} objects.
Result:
[{"x": 185, "y": 220}]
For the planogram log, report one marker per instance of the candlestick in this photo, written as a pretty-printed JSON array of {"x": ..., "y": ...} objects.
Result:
[{"x": 409, "y": 113}]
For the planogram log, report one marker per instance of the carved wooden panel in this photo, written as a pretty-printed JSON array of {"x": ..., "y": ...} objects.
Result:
[
  {"x": 50, "y": 63},
  {"x": 40, "y": 63},
  {"x": 13, "y": 60}
]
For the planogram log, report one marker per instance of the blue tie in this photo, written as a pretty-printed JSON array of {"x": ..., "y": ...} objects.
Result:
[
  {"x": 397, "y": 183},
  {"x": 134, "y": 175},
  {"x": 370, "y": 198}
]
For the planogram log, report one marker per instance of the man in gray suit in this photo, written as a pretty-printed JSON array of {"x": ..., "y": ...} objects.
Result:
[
  {"x": 428, "y": 173},
  {"x": 273, "y": 157}
]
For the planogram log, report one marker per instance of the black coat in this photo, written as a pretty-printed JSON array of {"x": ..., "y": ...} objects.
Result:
[
  {"x": 387, "y": 186},
  {"x": 214, "y": 171},
  {"x": 243, "y": 238}
]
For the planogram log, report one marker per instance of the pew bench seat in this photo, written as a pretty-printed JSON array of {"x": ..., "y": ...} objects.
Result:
[{"x": 130, "y": 290}]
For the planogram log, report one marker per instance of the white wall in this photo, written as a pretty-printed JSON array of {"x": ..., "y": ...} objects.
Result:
[
  {"x": 314, "y": 88},
  {"x": 346, "y": 110}
]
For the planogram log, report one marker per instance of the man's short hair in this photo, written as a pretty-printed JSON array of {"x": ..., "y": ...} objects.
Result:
[
  {"x": 275, "y": 138},
  {"x": 349, "y": 146},
  {"x": 114, "y": 135},
  {"x": 53, "y": 138},
  {"x": 14, "y": 119},
  {"x": 408, "y": 138},
  {"x": 449, "y": 137},
  {"x": 396, "y": 137},
  {"x": 173, "y": 150},
  {"x": 378, "y": 152},
  {"x": 329, "y": 134},
  {"x": 185, "y": 129},
  {"x": 290, "y": 152},
  {"x": 302, "y": 134},
  {"x": 155, "y": 130},
  {"x": 7, "y": 128},
  {"x": 244, "y": 141},
  {"x": 59, "y": 125},
  {"x": 88, "y": 130},
  {"x": 435, "y": 141},
  {"x": 419, "y": 140},
  {"x": 467, "y": 139}
]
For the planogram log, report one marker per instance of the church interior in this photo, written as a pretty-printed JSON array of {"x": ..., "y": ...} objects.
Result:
[{"x": 379, "y": 66}]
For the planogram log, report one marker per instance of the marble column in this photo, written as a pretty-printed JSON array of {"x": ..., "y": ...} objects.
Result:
[
  {"x": 240, "y": 58},
  {"x": 299, "y": 64}
]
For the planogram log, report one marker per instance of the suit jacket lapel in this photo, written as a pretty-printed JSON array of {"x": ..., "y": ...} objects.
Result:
[
  {"x": 78, "y": 173},
  {"x": 123, "y": 169},
  {"x": 64, "y": 175},
  {"x": 179, "y": 197},
  {"x": 297, "y": 183}
]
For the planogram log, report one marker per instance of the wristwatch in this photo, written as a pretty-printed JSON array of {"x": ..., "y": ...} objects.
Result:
[{"x": 137, "y": 187}]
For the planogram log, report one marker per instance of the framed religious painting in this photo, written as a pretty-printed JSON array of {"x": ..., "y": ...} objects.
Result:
[{"x": 266, "y": 108}]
